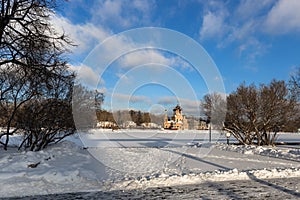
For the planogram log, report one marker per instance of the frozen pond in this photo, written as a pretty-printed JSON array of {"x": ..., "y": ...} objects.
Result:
[{"x": 162, "y": 138}]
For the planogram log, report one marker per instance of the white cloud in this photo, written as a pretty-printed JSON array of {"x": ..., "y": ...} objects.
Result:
[
  {"x": 147, "y": 56},
  {"x": 142, "y": 5},
  {"x": 213, "y": 26},
  {"x": 249, "y": 9},
  {"x": 137, "y": 99},
  {"x": 190, "y": 107},
  {"x": 237, "y": 24},
  {"x": 85, "y": 36},
  {"x": 167, "y": 100},
  {"x": 125, "y": 13},
  {"x": 247, "y": 19},
  {"x": 129, "y": 98},
  {"x": 125, "y": 101},
  {"x": 242, "y": 32},
  {"x": 284, "y": 17},
  {"x": 124, "y": 77},
  {"x": 144, "y": 57},
  {"x": 111, "y": 10},
  {"x": 86, "y": 75},
  {"x": 104, "y": 16},
  {"x": 227, "y": 29}
]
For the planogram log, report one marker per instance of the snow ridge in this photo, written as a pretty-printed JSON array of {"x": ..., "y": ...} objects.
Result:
[
  {"x": 277, "y": 152},
  {"x": 186, "y": 179}
]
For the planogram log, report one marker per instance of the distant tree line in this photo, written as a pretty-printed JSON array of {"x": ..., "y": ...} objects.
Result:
[{"x": 121, "y": 116}]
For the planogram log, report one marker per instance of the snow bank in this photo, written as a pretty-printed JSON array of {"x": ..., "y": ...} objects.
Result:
[
  {"x": 277, "y": 152},
  {"x": 61, "y": 168},
  {"x": 216, "y": 176},
  {"x": 14, "y": 141}
]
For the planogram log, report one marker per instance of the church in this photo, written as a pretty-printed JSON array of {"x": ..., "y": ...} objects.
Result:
[{"x": 177, "y": 121}]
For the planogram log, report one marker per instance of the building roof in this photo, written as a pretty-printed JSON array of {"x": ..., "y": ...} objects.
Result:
[{"x": 177, "y": 108}]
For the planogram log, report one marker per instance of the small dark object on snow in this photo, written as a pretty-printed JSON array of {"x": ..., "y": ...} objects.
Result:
[
  {"x": 34, "y": 165},
  {"x": 48, "y": 158}
]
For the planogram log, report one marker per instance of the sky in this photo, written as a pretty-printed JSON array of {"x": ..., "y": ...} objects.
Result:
[{"x": 194, "y": 47}]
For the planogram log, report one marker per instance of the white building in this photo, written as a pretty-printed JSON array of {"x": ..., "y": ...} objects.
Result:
[
  {"x": 150, "y": 125},
  {"x": 106, "y": 124},
  {"x": 129, "y": 124}
]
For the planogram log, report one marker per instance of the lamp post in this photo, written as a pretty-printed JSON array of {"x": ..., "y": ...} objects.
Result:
[
  {"x": 209, "y": 132},
  {"x": 227, "y": 134},
  {"x": 209, "y": 123}
]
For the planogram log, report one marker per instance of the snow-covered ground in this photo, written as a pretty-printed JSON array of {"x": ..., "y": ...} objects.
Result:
[
  {"x": 131, "y": 159},
  {"x": 281, "y": 151}
]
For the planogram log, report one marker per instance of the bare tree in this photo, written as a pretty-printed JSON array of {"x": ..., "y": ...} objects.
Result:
[
  {"x": 15, "y": 91},
  {"x": 99, "y": 98},
  {"x": 84, "y": 105},
  {"x": 45, "y": 121},
  {"x": 242, "y": 108},
  {"x": 47, "y": 118},
  {"x": 103, "y": 115},
  {"x": 255, "y": 115},
  {"x": 214, "y": 108},
  {"x": 25, "y": 26},
  {"x": 294, "y": 84},
  {"x": 32, "y": 56}
]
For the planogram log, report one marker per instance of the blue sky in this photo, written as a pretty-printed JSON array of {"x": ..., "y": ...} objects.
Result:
[{"x": 249, "y": 40}]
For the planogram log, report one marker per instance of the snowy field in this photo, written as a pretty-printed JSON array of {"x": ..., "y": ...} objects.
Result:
[{"x": 103, "y": 160}]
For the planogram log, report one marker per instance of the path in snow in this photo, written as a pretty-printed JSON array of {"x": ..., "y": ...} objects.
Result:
[
  {"x": 165, "y": 138},
  {"x": 135, "y": 153},
  {"x": 153, "y": 162},
  {"x": 287, "y": 188}
]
